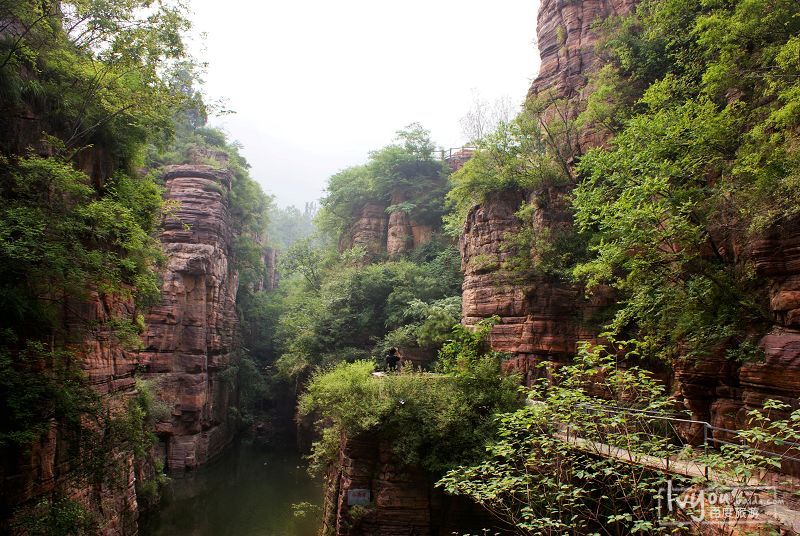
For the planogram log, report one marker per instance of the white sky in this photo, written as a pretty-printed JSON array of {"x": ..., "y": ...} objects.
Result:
[{"x": 317, "y": 84}]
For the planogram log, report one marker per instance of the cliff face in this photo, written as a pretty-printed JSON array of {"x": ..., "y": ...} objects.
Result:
[
  {"x": 192, "y": 335},
  {"x": 394, "y": 233},
  {"x": 57, "y": 464},
  {"x": 403, "y": 499},
  {"x": 539, "y": 317},
  {"x": 50, "y": 466},
  {"x": 567, "y": 42},
  {"x": 722, "y": 392},
  {"x": 546, "y": 319},
  {"x": 190, "y": 343}
]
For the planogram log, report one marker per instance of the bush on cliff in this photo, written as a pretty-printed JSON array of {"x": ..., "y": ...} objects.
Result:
[
  {"x": 434, "y": 421},
  {"x": 406, "y": 168}
]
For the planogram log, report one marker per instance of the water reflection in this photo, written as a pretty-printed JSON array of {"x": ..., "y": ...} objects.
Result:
[{"x": 249, "y": 491}]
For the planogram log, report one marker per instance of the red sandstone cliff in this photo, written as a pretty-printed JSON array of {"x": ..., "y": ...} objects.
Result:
[
  {"x": 721, "y": 391},
  {"x": 394, "y": 234},
  {"x": 192, "y": 335},
  {"x": 50, "y": 467},
  {"x": 539, "y": 317},
  {"x": 567, "y": 40}
]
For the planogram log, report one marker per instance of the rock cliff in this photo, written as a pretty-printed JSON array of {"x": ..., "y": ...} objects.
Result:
[
  {"x": 192, "y": 335},
  {"x": 50, "y": 467},
  {"x": 402, "y": 499},
  {"x": 540, "y": 317},
  {"x": 721, "y": 391},
  {"x": 379, "y": 232},
  {"x": 546, "y": 319},
  {"x": 60, "y": 465},
  {"x": 566, "y": 38}
]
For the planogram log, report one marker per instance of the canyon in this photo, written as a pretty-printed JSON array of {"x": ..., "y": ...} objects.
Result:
[
  {"x": 192, "y": 343},
  {"x": 544, "y": 319}
]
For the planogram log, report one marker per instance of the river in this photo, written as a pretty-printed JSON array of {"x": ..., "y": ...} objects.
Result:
[{"x": 248, "y": 491}]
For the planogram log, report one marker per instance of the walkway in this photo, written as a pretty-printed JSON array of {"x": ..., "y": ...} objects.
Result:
[{"x": 787, "y": 487}]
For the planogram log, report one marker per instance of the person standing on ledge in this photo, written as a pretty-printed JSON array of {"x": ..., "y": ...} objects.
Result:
[{"x": 391, "y": 360}]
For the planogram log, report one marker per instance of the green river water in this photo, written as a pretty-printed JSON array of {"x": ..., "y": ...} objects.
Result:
[{"x": 248, "y": 491}]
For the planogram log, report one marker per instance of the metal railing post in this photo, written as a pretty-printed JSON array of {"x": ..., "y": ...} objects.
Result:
[{"x": 705, "y": 449}]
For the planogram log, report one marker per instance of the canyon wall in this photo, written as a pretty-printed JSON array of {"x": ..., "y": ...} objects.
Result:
[
  {"x": 62, "y": 464},
  {"x": 192, "y": 337},
  {"x": 402, "y": 499},
  {"x": 541, "y": 318},
  {"x": 50, "y": 466},
  {"x": 721, "y": 391},
  {"x": 379, "y": 232}
]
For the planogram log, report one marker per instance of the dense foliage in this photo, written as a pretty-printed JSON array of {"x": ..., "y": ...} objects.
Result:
[
  {"x": 405, "y": 173},
  {"x": 83, "y": 93},
  {"x": 549, "y": 470},
  {"x": 702, "y": 164},
  {"x": 431, "y": 420},
  {"x": 515, "y": 157},
  {"x": 342, "y": 309}
]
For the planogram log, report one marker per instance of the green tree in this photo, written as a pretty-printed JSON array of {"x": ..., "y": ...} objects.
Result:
[
  {"x": 406, "y": 168},
  {"x": 703, "y": 167},
  {"x": 431, "y": 420}
]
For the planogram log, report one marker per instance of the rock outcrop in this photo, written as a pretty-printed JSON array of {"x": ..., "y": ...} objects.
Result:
[
  {"x": 400, "y": 238},
  {"x": 546, "y": 319},
  {"x": 394, "y": 233},
  {"x": 50, "y": 467},
  {"x": 722, "y": 391},
  {"x": 192, "y": 335},
  {"x": 539, "y": 317},
  {"x": 369, "y": 231},
  {"x": 401, "y": 499},
  {"x": 566, "y": 36}
]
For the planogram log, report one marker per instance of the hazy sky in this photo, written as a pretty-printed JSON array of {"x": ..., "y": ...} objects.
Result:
[{"x": 316, "y": 84}]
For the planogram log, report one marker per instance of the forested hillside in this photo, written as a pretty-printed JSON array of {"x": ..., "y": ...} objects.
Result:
[{"x": 341, "y": 303}]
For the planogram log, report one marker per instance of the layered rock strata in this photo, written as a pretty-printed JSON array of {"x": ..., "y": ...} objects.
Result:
[
  {"x": 539, "y": 317},
  {"x": 546, "y": 319},
  {"x": 379, "y": 232},
  {"x": 50, "y": 467},
  {"x": 400, "y": 500},
  {"x": 54, "y": 466},
  {"x": 567, "y": 36},
  {"x": 192, "y": 335},
  {"x": 723, "y": 391}
]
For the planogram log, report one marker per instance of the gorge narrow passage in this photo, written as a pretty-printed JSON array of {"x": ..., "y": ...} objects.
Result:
[{"x": 249, "y": 490}]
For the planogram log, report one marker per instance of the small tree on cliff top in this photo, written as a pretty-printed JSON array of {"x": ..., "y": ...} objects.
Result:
[{"x": 406, "y": 167}]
